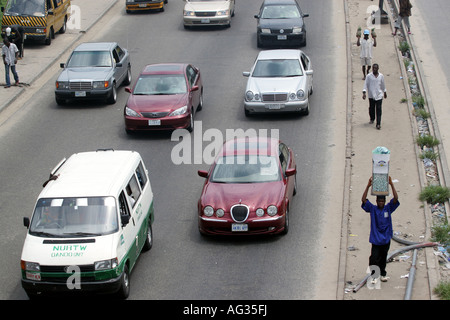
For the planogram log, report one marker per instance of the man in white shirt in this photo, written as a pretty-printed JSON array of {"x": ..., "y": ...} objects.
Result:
[
  {"x": 9, "y": 54},
  {"x": 375, "y": 87},
  {"x": 366, "y": 45}
]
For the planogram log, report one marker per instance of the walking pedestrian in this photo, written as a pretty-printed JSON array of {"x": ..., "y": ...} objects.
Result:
[
  {"x": 375, "y": 87},
  {"x": 380, "y": 228},
  {"x": 403, "y": 14},
  {"x": 366, "y": 45},
  {"x": 9, "y": 54}
]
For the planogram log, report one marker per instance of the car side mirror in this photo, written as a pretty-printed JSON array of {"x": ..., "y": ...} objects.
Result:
[
  {"x": 128, "y": 89},
  {"x": 124, "y": 219},
  {"x": 309, "y": 72},
  {"x": 256, "y": 16},
  {"x": 305, "y": 15},
  {"x": 26, "y": 222},
  {"x": 246, "y": 74},
  {"x": 119, "y": 65},
  {"x": 194, "y": 88},
  {"x": 62, "y": 65},
  {"x": 291, "y": 172},
  {"x": 203, "y": 173},
  {"x": 3, "y": 9}
]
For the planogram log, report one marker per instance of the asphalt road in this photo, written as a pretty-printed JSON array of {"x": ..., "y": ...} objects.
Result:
[{"x": 183, "y": 264}]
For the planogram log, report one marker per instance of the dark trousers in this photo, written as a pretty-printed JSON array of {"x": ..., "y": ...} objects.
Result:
[
  {"x": 375, "y": 110},
  {"x": 378, "y": 257}
]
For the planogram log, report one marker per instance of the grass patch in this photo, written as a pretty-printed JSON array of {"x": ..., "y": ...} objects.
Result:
[
  {"x": 429, "y": 154},
  {"x": 427, "y": 140},
  {"x": 422, "y": 113},
  {"x": 404, "y": 47},
  {"x": 419, "y": 101},
  {"x": 434, "y": 194},
  {"x": 443, "y": 290}
]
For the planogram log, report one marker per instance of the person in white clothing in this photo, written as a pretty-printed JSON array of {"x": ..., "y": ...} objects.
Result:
[
  {"x": 375, "y": 88},
  {"x": 366, "y": 45},
  {"x": 9, "y": 54}
]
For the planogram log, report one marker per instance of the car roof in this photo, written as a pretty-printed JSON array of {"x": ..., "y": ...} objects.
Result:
[
  {"x": 92, "y": 173},
  {"x": 250, "y": 145},
  {"x": 274, "y": 2},
  {"x": 96, "y": 46},
  {"x": 279, "y": 54},
  {"x": 164, "y": 68}
]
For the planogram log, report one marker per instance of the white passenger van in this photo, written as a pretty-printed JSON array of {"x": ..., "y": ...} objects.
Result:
[{"x": 90, "y": 223}]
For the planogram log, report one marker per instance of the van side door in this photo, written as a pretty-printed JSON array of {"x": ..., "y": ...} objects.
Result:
[{"x": 127, "y": 240}]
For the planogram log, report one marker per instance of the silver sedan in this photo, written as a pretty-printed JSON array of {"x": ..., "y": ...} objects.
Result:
[
  {"x": 280, "y": 81},
  {"x": 208, "y": 12}
]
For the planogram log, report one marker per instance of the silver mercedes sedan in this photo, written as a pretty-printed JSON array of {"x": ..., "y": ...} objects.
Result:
[{"x": 280, "y": 80}]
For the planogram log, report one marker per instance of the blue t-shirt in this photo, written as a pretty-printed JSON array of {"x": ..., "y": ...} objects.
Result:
[{"x": 380, "y": 221}]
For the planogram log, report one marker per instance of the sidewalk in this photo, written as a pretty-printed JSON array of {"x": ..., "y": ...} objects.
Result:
[
  {"x": 411, "y": 221},
  {"x": 38, "y": 57}
]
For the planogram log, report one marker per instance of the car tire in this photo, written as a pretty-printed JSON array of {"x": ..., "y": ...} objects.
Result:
[
  {"x": 295, "y": 185},
  {"x": 200, "y": 103},
  {"x": 191, "y": 122},
  {"x": 149, "y": 237},
  {"x": 124, "y": 290},
  {"x": 64, "y": 27},
  {"x": 113, "y": 96},
  {"x": 286, "y": 222},
  {"x": 48, "y": 41},
  {"x": 60, "y": 101},
  {"x": 127, "y": 79},
  {"x": 306, "y": 111}
]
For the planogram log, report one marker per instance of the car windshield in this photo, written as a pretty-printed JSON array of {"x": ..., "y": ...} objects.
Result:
[
  {"x": 280, "y": 12},
  {"x": 26, "y": 8},
  {"x": 246, "y": 169},
  {"x": 90, "y": 59},
  {"x": 72, "y": 217},
  {"x": 278, "y": 68},
  {"x": 160, "y": 85}
]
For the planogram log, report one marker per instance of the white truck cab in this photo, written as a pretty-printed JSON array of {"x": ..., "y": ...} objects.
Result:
[{"x": 90, "y": 223}]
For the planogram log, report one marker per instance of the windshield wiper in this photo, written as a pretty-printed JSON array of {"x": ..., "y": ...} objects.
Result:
[
  {"x": 44, "y": 234},
  {"x": 82, "y": 234}
]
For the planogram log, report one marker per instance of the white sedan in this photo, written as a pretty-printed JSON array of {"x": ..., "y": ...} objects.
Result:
[
  {"x": 208, "y": 12},
  {"x": 280, "y": 81}
]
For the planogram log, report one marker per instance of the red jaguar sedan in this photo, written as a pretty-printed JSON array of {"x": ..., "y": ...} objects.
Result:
[
  {"x": 164, "y": 97},
  {"x": 248, "y": 189}
]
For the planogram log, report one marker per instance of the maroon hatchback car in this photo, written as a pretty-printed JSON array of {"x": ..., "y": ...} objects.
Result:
[
  {"x": 248, "y": 189},
  {"x": 164, "y": 97}
]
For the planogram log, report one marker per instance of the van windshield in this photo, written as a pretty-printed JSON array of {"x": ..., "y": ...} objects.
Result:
[
  {"x": 74, "y": 217},
  {"x": 26, "y": 8}
]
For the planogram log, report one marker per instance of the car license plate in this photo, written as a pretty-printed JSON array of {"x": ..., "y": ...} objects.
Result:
[
  {"x": 239, "y": 227},
  {"x": 154, "y": 122},
  {"x": 142, "y": 5},
  {"x": 204, "y": 21},
  {"x": 275, "y": 106},
  {"x": 282, "y": 37},
  {"x": 33, "y": 276},
  {"x": 80, "y": 93}
]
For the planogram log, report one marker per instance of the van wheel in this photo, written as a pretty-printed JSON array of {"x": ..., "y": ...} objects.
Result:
[
  {"x": 64, "y": 26},
  {"x": 48, "y": 41},
  {"x": 124, "y": 290},
  {"x": 149, "y": 239}
]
